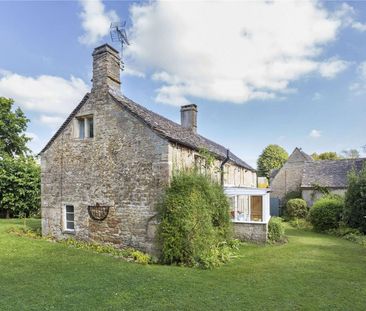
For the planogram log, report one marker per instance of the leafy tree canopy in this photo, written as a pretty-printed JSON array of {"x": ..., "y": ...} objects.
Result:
[
  {"x": 12, "y": 127},
  {"x": 329, "y": 155},
  {"x": 272, "y": 157},
  {"x": 351, "y": 154},
  {"x": 19, "y": 185},
  {"x": 355, "y": 200},
  {"x": 19, "y": 172}
]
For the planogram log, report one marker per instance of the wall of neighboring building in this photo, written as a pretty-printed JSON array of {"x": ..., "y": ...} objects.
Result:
[
  {"x": 310, "y": 195},
  {"x": 125, "y": 166},
  {"x": 181, "y": 157},
  {"x": 289, "y": 177}
]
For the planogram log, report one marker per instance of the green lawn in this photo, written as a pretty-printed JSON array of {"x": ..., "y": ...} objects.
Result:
[{"x": 311, "y": 272}]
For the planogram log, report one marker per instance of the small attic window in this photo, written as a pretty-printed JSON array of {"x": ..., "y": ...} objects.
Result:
[{"x": 85, "y": 127}]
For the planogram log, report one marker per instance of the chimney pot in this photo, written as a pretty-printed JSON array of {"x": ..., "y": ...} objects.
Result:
[{"x": 188, "y": 117}]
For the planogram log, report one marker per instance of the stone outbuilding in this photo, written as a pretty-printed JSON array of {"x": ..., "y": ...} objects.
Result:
[
  {"x": 328, "y": 174},
  {"x": 106, "y": 168},
  {"x": 310, "y": 178}
]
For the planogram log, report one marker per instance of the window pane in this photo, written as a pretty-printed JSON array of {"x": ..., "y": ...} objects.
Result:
[
  {"x": 69, "y": 209},
  {"x": 70, "y": 225},
  {"x": 243, "y": 208},
  {"x": 69, "y": 217},
  {"x": 81, "y": 128},
  {"x": 232, "y": 207},
  {"x": 256, "y": 208},
  {"x": 91, "y": 127}
]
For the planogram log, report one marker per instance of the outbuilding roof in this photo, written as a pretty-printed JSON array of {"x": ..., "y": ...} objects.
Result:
[{"x": 329, "y": 173}]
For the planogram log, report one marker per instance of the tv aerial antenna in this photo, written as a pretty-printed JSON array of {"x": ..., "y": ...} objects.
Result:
[{"x": 118, "y": 34}]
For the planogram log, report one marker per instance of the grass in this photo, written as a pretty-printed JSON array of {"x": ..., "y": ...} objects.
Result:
[{"x": 311, "y": 272}]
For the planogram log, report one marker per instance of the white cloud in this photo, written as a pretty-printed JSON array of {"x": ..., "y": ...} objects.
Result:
[
  {"x": 315, "y": 133},
  {"x": 331, "y": 67},
  {"x": 52, "y": 121},
  {"x": 47, "y": 94},
  {"x": 235, "y": 51},
  {"x": 359, "y": 26},
  {"x": 95, "y": 21},
  {"x": 133, "y": 72},
  {"x": 347, "y": 15},
  {"x": 358, "y": 87},
  {"x": 317, "y": 96}
]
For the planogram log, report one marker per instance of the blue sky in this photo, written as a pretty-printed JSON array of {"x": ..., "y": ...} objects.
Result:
[{"x": 298, "y": 78}]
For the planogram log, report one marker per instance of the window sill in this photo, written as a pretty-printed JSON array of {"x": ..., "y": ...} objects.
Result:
[
  {"x": 72, "y": 232},
  {"x": 84, "y": 139},
  {"x": 249, "y": 222}
]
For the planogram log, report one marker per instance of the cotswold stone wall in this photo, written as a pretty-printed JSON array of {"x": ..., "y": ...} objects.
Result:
[
  {"x": 251, "y": 232},
  {"x": 125, "y": 166},
  {"x": 183, "y": 158}
]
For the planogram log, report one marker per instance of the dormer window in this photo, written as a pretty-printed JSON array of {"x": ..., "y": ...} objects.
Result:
[{"x": 85, "y": 127}]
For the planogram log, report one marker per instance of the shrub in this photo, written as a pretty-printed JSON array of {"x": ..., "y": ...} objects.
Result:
[
  {"x": 300, "y": 223},
  {"x": 326, "y": 213},
  {"x": 349, "y": 234},
  {"x": 195, "y": 225},
  {"x": 296, "y": 194},
  {"x": 141, "y": 257},
  {"x": 355, "y": 201},
  {"x": 297, "y": 208},
  {"x": 276, "y": 230}
]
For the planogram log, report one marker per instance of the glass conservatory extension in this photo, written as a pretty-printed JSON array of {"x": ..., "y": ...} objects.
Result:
[{"x": 249, "y": 205}]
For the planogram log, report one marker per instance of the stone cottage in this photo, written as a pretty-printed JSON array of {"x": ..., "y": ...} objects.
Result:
[
  {"x": 302, "y": 174},
  {"x": 105, "y": 169}
]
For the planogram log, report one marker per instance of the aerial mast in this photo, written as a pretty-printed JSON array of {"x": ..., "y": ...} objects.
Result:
[{"x": 118, "y": 34}]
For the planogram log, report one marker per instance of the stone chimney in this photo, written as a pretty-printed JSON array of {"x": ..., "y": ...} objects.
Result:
[
  {"x": 106, "y": 68},
  {"x": 188, "y": 117}
]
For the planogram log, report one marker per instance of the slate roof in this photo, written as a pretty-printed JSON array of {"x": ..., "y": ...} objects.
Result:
[
  {"x": 306, "y": 156},
  {"x": 163, "y": 127},
  {"x": 174, "y": 132},
  {"x": 329, "y": 173}
]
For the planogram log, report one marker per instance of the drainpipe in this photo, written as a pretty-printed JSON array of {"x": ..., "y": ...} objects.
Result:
[{"x": 223, "y": 164}]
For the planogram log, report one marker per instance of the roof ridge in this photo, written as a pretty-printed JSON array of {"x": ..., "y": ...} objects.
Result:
[{"x": 189, "y": 139}]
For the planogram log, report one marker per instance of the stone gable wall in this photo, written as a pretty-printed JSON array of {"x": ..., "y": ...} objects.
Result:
[
  {"x": 289, "y": 177},
  {"x": 125, "y": 166}
]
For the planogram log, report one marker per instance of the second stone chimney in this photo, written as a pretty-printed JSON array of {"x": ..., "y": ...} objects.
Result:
[
  {"x": 106, "y": 68},
  {"x": 188, "y": 117}
]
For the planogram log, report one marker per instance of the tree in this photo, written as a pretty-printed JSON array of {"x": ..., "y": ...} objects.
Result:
[
  {"x": 351, "y": 154},
  {"x": 355, "y": 200},
  {"x": 13, "y": 140},
  {"x": 19, "y": 172},
  {"x": 272, "y": 157},
  {"x": 329, "y": 155},
  {"x": 19, "y": 185}
]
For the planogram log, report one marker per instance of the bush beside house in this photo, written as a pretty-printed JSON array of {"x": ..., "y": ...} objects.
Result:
[
  {"x": 276, "y": 230},
  {"x": 296, "y": 208},
  {"x": 195, "y": 227},
  {"x": 326, "y": 213}
]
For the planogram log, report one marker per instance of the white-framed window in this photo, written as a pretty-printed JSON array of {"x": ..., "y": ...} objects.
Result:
[
  {"x": 246, "y": 208},
  {"x": 85, "y": 127},
  {"x": 69, "y": 218}
]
